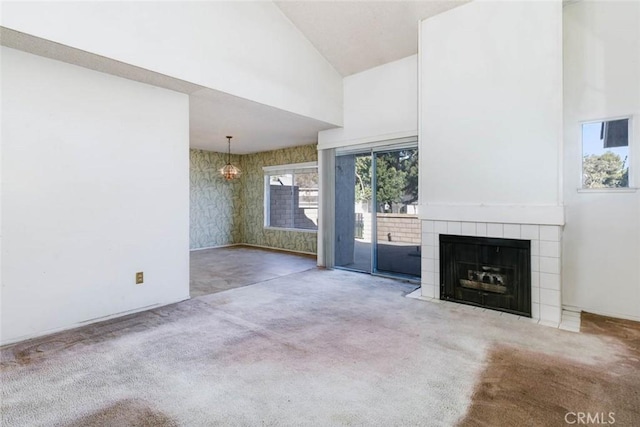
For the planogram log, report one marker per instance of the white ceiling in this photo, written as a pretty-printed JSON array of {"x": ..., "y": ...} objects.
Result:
[
  {"x": 352, "y": 35},
  {"x": 255, "y": 127},
  {"x": 357, "y": 35}
]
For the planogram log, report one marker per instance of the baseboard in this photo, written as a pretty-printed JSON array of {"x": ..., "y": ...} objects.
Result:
[
  {"x": 216, "y": 247},
  {"x": 89, "y": 322},
  {"x": 278, "y": 249},
  {"x": 255, "y": 246},
  {"x": 601, "y": 313}
]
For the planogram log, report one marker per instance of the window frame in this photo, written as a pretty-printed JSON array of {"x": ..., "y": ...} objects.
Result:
[
  {"x": 293, "y": 169},
  {"x": 630, "y": 188}
]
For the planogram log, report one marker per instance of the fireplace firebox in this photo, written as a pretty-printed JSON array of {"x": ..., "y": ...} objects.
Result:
[{"x": 486, "y": 272}]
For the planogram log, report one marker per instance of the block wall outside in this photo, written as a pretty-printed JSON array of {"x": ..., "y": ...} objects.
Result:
[
  {"x": 280, "y": 206},
  {"x": 400, "y": 228},
  {"x": 287, "y": 214}
]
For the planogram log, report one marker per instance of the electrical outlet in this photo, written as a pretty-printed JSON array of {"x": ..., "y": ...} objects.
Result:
[{"x": 139, "y": 278}]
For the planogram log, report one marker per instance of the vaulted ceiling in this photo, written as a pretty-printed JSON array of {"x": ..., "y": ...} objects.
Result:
[
  {"x": 357, "y": 35},
  {"x": 352, "y": 35}
]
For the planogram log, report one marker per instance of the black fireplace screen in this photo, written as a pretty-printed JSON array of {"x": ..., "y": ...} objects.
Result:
[{"x": 486, "y": 272}]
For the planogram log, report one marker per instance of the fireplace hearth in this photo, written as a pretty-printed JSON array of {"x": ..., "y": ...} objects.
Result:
[{"x": 487, "y": 272}]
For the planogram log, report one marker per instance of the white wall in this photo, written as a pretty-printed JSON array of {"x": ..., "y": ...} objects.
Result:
[
  {"x": 601, "y": 249},
  {"x": 247, "y": 49},
  {"x": 491, "y": 111},
  {"x": 379, "y": 104},
  {"x": 94, "y": 188}
]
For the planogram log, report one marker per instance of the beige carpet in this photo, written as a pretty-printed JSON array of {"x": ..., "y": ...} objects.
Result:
[{"x": 313, "y": 348}]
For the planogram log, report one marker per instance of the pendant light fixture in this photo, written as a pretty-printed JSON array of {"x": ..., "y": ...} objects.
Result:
[{"x": 229, "y": 171}]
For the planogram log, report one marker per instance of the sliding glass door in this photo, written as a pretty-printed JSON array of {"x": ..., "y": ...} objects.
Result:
[
  {"x": 353, "y": 242},
  {"x": 377, "y": 229},
  {"x": 398, "y": 237}
]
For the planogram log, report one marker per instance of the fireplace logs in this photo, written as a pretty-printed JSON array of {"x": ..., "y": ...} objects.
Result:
[{"x": 487, "y": 272}]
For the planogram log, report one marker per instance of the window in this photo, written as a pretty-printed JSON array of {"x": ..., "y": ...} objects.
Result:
[
  {"x": 291, "y": 196},
  {"x": 605, "y": 154}
]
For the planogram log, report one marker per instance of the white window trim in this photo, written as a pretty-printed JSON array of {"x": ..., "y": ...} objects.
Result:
[
  {"x": 291, "y": 168},
  {"x": 379, "y": 146},
  {"x": 608, "y": 190},
  {"x": 632, "y": 168}
]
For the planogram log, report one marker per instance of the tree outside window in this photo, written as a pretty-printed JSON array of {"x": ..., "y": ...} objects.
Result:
[{"x": 605, "y": 154}]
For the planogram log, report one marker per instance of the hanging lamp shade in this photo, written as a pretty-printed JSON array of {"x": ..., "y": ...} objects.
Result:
[{"x": 230, "y": 171}]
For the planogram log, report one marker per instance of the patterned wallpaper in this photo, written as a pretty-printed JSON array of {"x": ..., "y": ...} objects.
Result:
[
  {"x": 252, "y": 199},
  {"x": 233, "y": 212},
  {"x": 214, "y": 203}
]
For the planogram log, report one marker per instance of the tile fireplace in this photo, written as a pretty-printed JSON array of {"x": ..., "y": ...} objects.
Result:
[{"x": 544, "y": 243}]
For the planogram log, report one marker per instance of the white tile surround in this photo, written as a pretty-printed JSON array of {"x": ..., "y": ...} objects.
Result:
[{"x": 546, "y": 307}]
